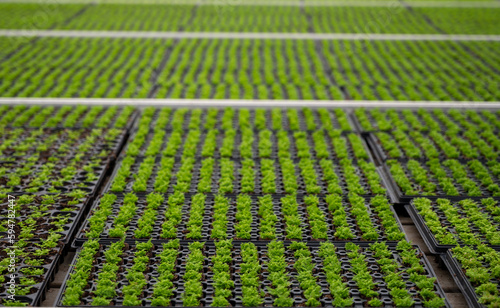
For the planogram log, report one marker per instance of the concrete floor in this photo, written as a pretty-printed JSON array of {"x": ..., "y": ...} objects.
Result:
[{"x": 453, "y": 294}]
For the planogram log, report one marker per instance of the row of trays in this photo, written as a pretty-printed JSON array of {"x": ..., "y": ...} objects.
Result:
[
  {"x": 86, "y": 208},
  {"x": 480, "y": 216},
  {"x": 472, "y": 282},
  {"x": 385, "y": 223},
  {"x": 341, "y": 252}
]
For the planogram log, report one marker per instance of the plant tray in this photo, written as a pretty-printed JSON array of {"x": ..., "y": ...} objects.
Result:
[
  {"x": 235, "y": 266},
  {"x": 241, "y": 149},
  {"x": 279, "y": 229},
  {"x": 423, "y": 120},
  {"x": 46, "y": 218},
  {"x": 381, "y": 154},
  {"x": 463, "y": 282},
  {"x": 217, "y": 175},
  {"x": 37, "y": 293},
  {"x": 400, "y": 197},
  {"x": 433, "y": 243},
  {"x": 231, "y": 118},
  {"x": 21, "y": 146},
  {"x": 72, "y": 117},
  {"x": 78, "y": 180}
]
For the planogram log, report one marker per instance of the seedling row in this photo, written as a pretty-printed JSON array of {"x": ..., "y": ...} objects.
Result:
[
  {"x": 242, "y": 217},
  {"x": 444, "y": 223},
  {"x": 264, "y": 176},
  {"x": 245, "y": 144},
  {"x": 241, "y": 119},
  {"x": 226, "y": 274}
]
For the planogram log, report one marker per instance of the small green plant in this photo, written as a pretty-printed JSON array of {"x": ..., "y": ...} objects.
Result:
[{"x": 193, "y": 290}]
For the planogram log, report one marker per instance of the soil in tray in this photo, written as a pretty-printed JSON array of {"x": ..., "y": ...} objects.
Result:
[
  {"x": 465, "y": 222},
  {"x": 168, "y": 175},
  {"x": 208, "y": 275},
  {"x": 34, "y": 267},
  {"x": 449, "y": 178},
  {"x": 243, "y": 217},
  {"x": 37, "y": 217},
  {"x": 476, "y": 272}
]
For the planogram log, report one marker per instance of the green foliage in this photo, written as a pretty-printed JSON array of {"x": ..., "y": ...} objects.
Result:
[
  {"x": 250, "y": 271},
  {"x": 268, "y": 218},
  {"x": 220, "y": 220},
  {"x": 243, "y": 217},
  {"x": 279, "y": 280},
  {"x": 293, "y": 222},
  {"x": 173, "y": 214},
  {"x": 193, "y": 289}
]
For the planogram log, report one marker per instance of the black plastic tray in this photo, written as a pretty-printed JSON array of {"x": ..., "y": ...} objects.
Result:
[
  {"x": 209, "y": 250},
  {"x": 398, "y": 197},
  {"x": 442, "y": 126},
  {"x": 395, "y": 192},
  {"x": 461, "y": 280},
  {"x": 381, "y": 155},
  {"x": 429, "y": 238},
  {"x": 71, "y": 226},
  {"x": 236, "y": 119},
  {"x": 231, "y": 218},
  {"x": 425, "y": 232},
  {"x": 255, "y": 145},
  {"x": 78, "y": 125},
  {"x": 216, "y": 175},
  {"x": 68, "y": 186},
  {"x": 37, "y": 297}
]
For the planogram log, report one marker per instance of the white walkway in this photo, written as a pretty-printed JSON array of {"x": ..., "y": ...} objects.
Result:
[
  {"x": 248, "y": 35},
  {"x": 250, "y": 103},
  {"x": 371, "y": 3}
]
